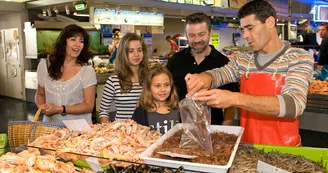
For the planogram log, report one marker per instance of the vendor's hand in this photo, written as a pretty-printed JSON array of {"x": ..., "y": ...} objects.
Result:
[
  {"x": 216, "y": 98},
  {"x": 50, "y": 109},
  {"x": 197, "y": 82}
]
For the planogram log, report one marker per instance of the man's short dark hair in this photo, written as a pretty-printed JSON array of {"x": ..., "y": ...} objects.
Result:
[
  {"x": 260, "y": 8},
  {"x": 116, "y": 30},
  {"x": 199, "y": 18},
  {"x": 325, "y": 25},
  {"x": 168, "y": 37}
]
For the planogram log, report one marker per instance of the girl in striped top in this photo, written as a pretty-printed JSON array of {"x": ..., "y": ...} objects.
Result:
[{"x": 124, "y": 86}]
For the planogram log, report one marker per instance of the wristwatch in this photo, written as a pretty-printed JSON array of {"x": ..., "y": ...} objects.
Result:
[{"x": 64, "y": 111}]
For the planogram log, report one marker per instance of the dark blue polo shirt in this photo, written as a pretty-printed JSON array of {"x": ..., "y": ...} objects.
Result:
[{"x": 183, "y": 62}]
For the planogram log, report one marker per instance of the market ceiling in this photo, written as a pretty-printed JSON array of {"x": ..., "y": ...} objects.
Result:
[{"x": 173, "y": 9}]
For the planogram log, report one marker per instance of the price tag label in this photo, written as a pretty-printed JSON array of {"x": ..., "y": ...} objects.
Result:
[
  {"x": 79, "y": 125},
  {"x": 266, "y": 168},
  {"x": 94, "y": 164}
]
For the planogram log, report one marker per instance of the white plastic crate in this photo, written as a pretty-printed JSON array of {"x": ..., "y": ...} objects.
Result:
[{"x": 236, "y": 130}]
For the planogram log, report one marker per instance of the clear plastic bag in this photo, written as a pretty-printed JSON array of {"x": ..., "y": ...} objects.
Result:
[{"x": 196, "y": 118}]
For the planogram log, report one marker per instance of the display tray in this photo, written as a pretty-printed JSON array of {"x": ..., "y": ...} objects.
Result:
[
  {"x": 315, "y": 154},
  {"x": 146, "y": 155}
]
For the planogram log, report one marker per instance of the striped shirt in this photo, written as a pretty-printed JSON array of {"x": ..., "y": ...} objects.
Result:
[
  {"x": 125, "y": 102},
  {"x": 296, "y": 65}
]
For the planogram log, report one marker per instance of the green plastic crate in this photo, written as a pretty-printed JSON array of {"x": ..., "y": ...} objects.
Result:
[{"x": 315, "y": 154}]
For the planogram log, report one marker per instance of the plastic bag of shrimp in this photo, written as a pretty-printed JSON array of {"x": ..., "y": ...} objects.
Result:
[{"x": 196, "y": 119}]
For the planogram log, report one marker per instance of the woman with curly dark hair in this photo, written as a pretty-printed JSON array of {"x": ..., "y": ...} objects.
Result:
[
  {"x": 125, "y": 85},
  {"x": 66, "y": 84}
]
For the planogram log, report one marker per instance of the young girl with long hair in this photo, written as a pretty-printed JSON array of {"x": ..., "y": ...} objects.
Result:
[
  {"x": 124, "y": 86},
  {"x": 158, "y": 105}
]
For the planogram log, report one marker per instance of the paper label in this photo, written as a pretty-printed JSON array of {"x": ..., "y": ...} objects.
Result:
[
  {"x": 94, "y": 164},
  {"x": 79, "y": 125},
  {"x": 266, "y": 168}
]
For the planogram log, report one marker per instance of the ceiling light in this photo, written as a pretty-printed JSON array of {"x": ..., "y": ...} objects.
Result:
[
  {"x": 118, "y": 9},
  {"x": 137, "y": 9},
  {"x": 81, "y": 15},
  {"x": 55, "y": 10},
  {"x": 97, "y": 26},
  {"x": 49, "y": 12},
  {"x": 107, "y": 7},
  {"x": 183, "y": 20},
  {"x": 44, "y": 12},
  {"x": 67, "y": 9},
  {"x": 155, "y": 11}
]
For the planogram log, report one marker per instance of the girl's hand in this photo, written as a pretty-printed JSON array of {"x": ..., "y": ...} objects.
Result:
[
  {"x": 51, "y": 109},
  {"x": 104, "y": 120}
]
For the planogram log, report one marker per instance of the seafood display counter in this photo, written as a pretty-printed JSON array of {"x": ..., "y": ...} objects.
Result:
[
  {"x": 291, "y": 159},
  {"x": 124, "y": 146}
]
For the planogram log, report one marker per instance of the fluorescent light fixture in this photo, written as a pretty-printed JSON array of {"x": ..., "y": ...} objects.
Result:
[
  {"x": 107, "y": 7},
  {"x": 44, "y": 12},
  {"x": 118, "y": 9},
  {"x": 55, "y": 10},
  {"x": 49, "y": 12},
  {"x": 137, "y": 9},
  {"x": 81, "y": 15},
  {"x": 67, "y": 9},
  {"x": 155, "y": 10}
]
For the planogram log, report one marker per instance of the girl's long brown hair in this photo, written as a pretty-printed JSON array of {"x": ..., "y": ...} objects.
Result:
[
  {"x": 147, "y": 101},
  {"x": 122, "y": 66}
]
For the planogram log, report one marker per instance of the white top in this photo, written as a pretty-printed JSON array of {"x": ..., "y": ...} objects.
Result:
[
  {"x": 125, "y": 102},
  {"x": 68, "y": 93}
]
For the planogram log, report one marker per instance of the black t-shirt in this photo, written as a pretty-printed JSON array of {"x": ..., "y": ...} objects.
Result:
[
  {"x": 323, "y": 52},
  {"x": 183, "y": 63},
  {"x": 156, "y": 121}
]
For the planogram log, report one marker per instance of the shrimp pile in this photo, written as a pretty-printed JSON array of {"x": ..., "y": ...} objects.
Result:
[
  {"x": 120, "y": 140},
  {"x": 318, "y": 87},
  {"x": 31, "y": 161}
]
